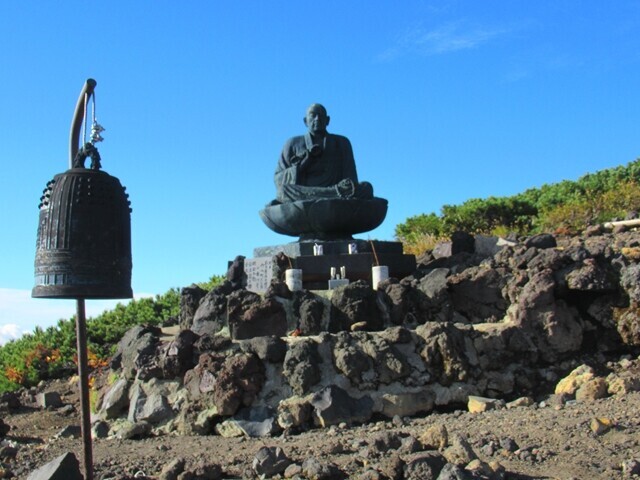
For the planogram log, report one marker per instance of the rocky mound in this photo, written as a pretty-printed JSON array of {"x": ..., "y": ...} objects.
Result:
[{"x": 492, "y": 319}]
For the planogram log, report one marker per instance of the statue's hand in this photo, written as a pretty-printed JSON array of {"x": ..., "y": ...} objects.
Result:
[
  {"x": 346, "y": 188},
  {"x": 304, "y": 161}
]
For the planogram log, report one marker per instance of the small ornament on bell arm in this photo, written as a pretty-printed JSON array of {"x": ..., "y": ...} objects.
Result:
[{"x": 96, "y": 130}]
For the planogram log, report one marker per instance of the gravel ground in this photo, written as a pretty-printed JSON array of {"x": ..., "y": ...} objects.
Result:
[{"x": 536, "y": 442}]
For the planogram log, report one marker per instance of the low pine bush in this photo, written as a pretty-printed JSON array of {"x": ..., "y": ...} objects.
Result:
[{"x": 567, "y": 206}]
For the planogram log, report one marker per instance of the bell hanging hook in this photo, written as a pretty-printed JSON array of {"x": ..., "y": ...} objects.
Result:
[
  {"x": 77, "y": 153},
  {"x": 78, "y": 117}
]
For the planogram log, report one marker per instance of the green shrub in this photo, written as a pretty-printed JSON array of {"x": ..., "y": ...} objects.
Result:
[
  {"x": 592, "y": 208},
  {"x": 51, "y": 353},
  {"x": 564, "y": 206},
  {"x": 482, "y": 216},
  {"x": 213, "y": 282},
  {"x": 568, "y": 218},
  {"x": 419, "y": 225},
  {"x": 622, "y": 199}
]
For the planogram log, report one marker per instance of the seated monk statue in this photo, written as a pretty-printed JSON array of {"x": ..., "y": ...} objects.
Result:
[
  {"x": 318, "y": 164},
  {"x": 318, "y": 196}
]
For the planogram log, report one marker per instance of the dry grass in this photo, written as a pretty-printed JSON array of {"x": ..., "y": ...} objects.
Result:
[{"x": 422, "y": 243}]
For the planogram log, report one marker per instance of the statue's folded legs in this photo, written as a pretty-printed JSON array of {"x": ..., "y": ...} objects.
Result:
[{"x": 344, "y": 189}]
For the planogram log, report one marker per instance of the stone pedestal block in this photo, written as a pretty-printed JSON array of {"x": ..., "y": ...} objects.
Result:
[{"x": 316, "y": 269}]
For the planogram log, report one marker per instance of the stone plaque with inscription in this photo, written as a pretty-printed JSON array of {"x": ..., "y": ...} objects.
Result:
[{"x": 259, "y": 272}]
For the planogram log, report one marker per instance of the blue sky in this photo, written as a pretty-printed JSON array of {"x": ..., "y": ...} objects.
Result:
[{"x": 443, "y": 101}]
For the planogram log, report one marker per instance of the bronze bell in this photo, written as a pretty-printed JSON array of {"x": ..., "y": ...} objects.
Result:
[{"x": 83, "y": 247}]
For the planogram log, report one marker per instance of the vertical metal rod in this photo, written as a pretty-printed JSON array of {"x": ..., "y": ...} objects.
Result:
[{"x": 83, "y": 373}]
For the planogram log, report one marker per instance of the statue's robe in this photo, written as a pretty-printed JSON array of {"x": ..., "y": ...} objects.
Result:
[{"x": 320, "y": 177}]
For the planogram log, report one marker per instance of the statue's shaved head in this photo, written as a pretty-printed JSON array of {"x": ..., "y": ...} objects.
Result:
[{"x": 317, "y": 107}]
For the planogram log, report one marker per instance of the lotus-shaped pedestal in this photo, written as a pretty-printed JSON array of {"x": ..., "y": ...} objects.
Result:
[{"x": 325, "y": 219}]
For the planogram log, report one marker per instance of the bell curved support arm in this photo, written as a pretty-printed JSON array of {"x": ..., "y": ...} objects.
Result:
[{"x": 78, "y": 117}]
